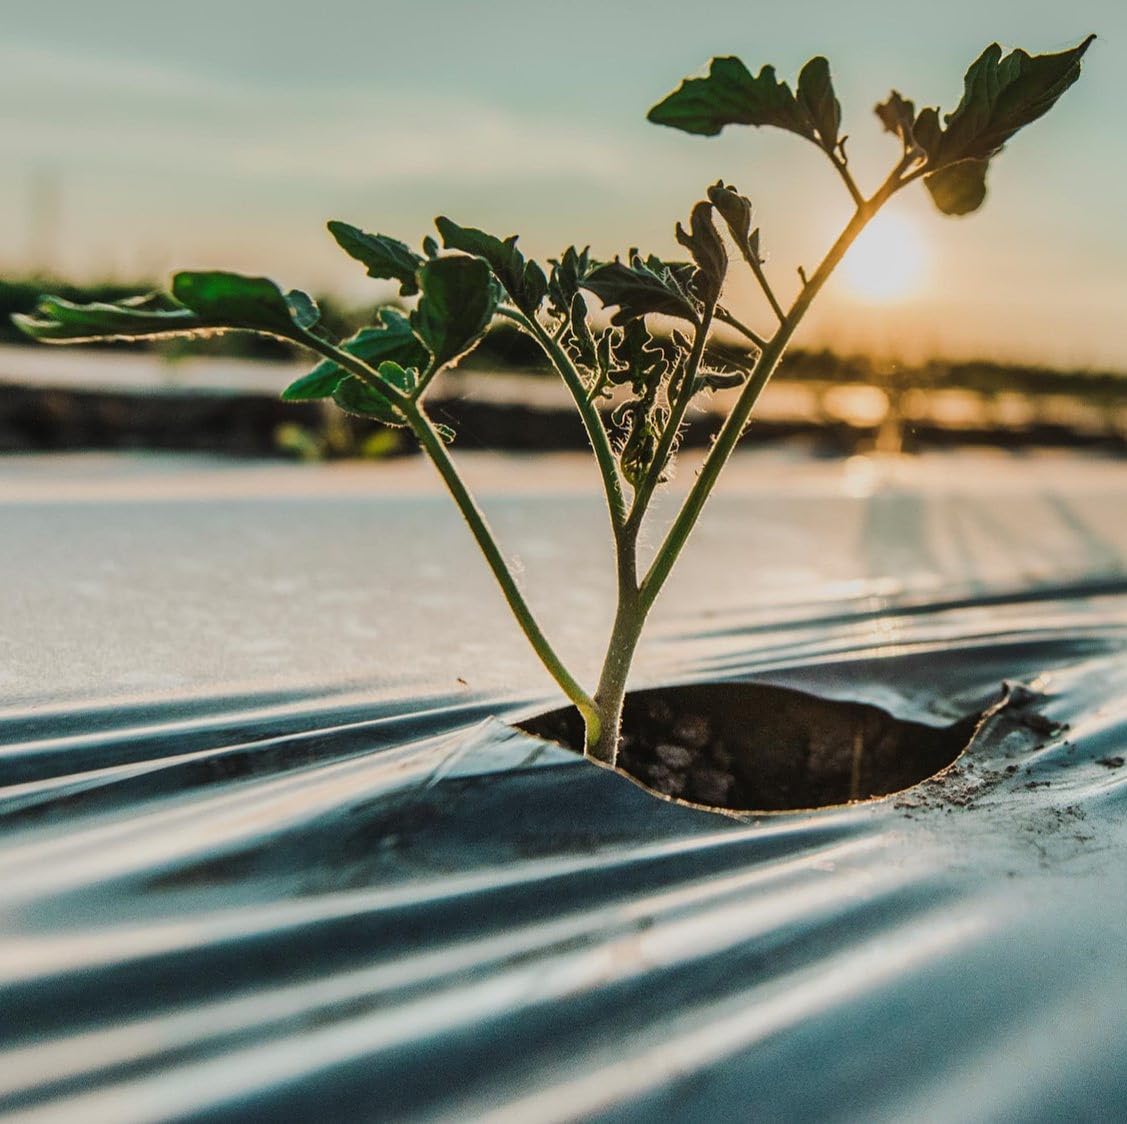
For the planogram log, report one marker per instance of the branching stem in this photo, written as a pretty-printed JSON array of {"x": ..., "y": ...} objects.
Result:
[
  {"x": 353, "y": 366},
  {"x": 723, "y": 315},
  {"x": 635, "y": 600},
  {"x": 756, "y": 267},
  {"x": 433, "y": 446},
  {"x": 842, "y": 166},
  {"x": 765, "y": 366}
]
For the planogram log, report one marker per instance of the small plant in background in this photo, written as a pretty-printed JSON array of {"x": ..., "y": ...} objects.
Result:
[
  {"x": 473, "y": 278},
  {"x": 337, "y": 437}
]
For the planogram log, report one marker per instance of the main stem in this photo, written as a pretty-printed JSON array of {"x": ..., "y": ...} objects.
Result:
[
  {"x": 634, "y": 600},
  {"x": 630, "y": 614},
  {"x": 602, "y": 717},
  {"x": 629, "y": 617}
]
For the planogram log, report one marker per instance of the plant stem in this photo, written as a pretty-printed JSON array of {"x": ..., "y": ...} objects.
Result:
[
  {"x": 611, "y": 691},
  {"x": 432, "y": 444},
  {"x": 353, "y": 366},
  {"x": 602, "y": 745},
  {"x": 756, "y": 267},
  {"x": 634, "y": 601},
  {"x": 588, "y": 412},
  {"x": 630, "y": 614},
  {"x": 847, "y": 178},
  {"x": 765, "y": 366},
  {"x": 724, "y": 316}
]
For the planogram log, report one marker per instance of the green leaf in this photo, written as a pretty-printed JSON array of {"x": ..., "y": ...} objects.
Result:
[
  {"x": 722, "y": 380},
  {"x": 816, "y": 96},
  {"x": 231, "y": 300},
  {"x": 524, "y": 281},
  {"x": 640, "y": 360},
  {"x": 707, "y": 249},
  {"x": 647, "y": 365},
  {"x": 1000, "y": 97},
  {"x": 566, "y": 278},
  {"x": 959, "y": 189},
  {"x": 303, "y": 309},
  {"x": 568, "y": 274},
  {"x": 60, "y": 321},
  {"x": 200, "y": 302},
  {"x": 356, "y": 396},
  {"x": 398, "y": 376},
  {"x": 640, "y": 288},
  {"x": 386, "y": 258},
  {"x": 735, "y": 209},
  {"x": 579, "y": 341},
  {"x": 927, "y": 130},
  {"x": 457, "y": 306},
  {"x": 321, "y": 382},
  {"x": 898, "y": 116},
  {"x": 731, "y": 96},
  {"x": 392, "y": 340}
]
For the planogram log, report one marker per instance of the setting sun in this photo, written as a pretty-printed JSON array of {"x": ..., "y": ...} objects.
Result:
[{"x": 888, "y": 262}]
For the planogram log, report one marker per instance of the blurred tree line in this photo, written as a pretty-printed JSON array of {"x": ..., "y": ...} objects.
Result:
[{"x": 507, "y": 348}]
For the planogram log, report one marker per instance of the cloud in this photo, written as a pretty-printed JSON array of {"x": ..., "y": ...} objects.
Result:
[
  {"x": 99, "y": 113},
  {"x": 476, "y": 144},
  {"x": 53, "y": 72}
]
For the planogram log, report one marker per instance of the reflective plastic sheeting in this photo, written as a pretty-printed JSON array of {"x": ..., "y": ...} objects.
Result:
[{"x": 263, "y": 855}]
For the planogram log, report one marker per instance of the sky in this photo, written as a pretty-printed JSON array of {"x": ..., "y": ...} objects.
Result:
[{"x": 142, "y": 136}]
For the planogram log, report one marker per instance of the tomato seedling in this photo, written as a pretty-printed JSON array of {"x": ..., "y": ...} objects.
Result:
[{"x": 651, "y": 376}]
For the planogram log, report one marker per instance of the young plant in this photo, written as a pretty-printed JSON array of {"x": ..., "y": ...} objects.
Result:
[{"x": 631, "y": 384}]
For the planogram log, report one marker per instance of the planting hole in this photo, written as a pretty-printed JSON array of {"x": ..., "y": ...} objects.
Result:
[{"x": 756, "y": 747}]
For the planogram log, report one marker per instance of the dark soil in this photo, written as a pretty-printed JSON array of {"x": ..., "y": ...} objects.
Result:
[{"x": 755, "y": 747}]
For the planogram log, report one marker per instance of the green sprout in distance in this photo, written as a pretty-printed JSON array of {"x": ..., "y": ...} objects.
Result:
[{"x": 385, "y": 370}]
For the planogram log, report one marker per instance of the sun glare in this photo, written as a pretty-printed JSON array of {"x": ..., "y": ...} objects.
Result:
[{"x": 888, "y": 261}]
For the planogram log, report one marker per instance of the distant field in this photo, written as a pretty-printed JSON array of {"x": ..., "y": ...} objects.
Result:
[{"x": 98, "y": 398}]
